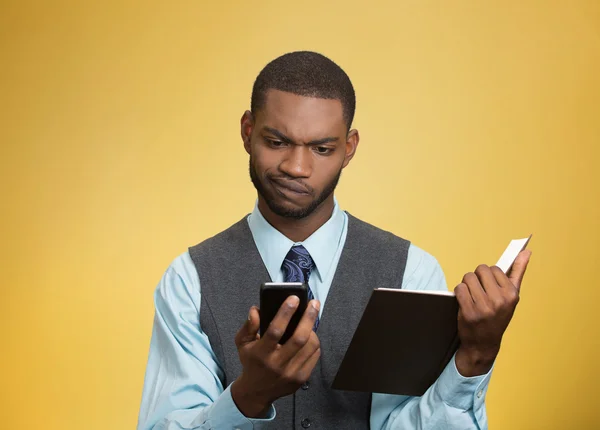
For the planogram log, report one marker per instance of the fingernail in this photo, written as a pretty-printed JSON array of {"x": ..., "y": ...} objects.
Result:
[
  {"x": 250, "y": 314},
  {"x": 293, "y": 301},
  {"x": 316, "y": 304}
]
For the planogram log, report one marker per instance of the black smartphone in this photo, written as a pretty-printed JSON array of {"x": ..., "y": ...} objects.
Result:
[{"x": 272, "y": 296}]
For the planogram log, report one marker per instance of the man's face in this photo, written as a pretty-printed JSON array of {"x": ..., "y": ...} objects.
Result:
[{"x": 298, "y": 147}]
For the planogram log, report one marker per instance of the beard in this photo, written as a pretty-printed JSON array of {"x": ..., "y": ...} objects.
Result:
[{"x": 283, "y": 211}]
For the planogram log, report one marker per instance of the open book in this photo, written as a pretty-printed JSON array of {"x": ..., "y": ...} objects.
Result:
[{"x": 406, "y": 338}]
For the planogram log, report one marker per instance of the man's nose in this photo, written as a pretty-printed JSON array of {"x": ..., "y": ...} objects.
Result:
[{"x": 297, "y": 162}]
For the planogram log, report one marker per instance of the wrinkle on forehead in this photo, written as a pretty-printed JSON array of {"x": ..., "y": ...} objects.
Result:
[{"x": 302, "y": 119}]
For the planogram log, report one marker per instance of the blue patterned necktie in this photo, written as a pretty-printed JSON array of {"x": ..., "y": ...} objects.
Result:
[{"x": 297, "y": 267}]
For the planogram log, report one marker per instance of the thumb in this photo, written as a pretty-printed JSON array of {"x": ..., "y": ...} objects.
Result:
[
  {"x": 519, "y": 267},
  {"x": 249, "y": 331}
]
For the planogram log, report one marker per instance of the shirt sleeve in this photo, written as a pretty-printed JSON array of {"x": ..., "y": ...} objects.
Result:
[
  {"x": 453, "y": 401},
  {"x": 182, "y": 387}
]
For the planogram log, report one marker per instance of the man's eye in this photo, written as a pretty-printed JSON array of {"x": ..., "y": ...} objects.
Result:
[
  {"x": 276, "y": 143},
  {"x": 323, "y": 150}
]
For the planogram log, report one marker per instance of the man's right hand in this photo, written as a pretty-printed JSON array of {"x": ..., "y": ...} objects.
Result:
[{"x": 271, "y": 370}]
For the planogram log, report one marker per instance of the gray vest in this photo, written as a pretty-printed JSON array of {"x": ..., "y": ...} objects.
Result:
[{"x": 231, "y": 271}]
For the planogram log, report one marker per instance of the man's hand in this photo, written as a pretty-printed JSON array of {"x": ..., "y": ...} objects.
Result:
[
  {"x": 271, "y": 370},
  {"x": 487, "y": 300}
]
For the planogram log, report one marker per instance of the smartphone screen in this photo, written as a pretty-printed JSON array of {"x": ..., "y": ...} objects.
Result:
[{"x": 272, "y": 296}]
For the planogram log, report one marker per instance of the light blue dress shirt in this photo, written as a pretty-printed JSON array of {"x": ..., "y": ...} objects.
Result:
[{"x": 183, "y": 389}]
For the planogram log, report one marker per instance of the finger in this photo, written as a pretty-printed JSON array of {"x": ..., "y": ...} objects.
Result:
[
  {"x": 490, "y": 284},
  {"x": 475, "y": 288},
  {"x": 519, "y": 267},
  {"x": 249, "y": 331},
  {"x": 303, "y": 332},
  {"x": 510, "y": 293},
  {"x": 276, "y": 329},
  {"x": 465, "y": 301},
  {"x": 307, "y": 367},
  {"x": 298, "y": 360},
  {"x": 501, "y": 278}
]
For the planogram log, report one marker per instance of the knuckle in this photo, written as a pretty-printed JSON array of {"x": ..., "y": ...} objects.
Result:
[
  {"x": 460, "y": 288},
  {"x": 287, "y": 377},
  {"x": 313, "y": 345},
  {"x": 496, "y": 270},
  {"x": 487, "y": 313},
  {"x": 299, "y": 340},
  {"x": 468, "y": 277},
  {"x": 498, "y": 304},
  {"x": 512, "y": 296},
  {"x": 473, "y": 318},
  {"x": 481, "y": 268},
  {"x": 274, "y": 332}
]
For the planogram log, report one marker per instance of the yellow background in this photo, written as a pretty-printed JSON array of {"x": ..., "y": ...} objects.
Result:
[{"x": 480, "y": 123}]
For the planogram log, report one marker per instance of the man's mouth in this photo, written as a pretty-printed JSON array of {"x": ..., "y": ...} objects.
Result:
[{"x": 290, "y": 186}]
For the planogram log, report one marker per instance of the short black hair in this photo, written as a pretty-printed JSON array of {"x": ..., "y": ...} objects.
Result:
[{"x": 308, "y": 74}]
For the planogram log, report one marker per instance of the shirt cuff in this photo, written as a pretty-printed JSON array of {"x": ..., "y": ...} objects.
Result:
[
  {"x": 462, "y": 392},
  {"x": 225, "y": 414}
]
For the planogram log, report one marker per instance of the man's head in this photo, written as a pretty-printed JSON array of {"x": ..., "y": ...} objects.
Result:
[
  {"x": 307, "y": 74},
  {"x": 298, "y": 132}
]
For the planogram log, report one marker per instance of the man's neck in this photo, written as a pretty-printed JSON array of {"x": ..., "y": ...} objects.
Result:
[{"x": 298, "y": 230}]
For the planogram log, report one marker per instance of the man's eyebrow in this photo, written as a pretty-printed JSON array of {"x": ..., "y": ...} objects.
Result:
[
  {"x": 286, "y": 139},
  {"x": 323, "y": 141},
  {"x": 279, "y": 134}
]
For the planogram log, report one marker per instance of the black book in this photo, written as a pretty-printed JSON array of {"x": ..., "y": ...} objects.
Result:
[
  {"x": 402, "y": 344},
  {"x": 406, "y": 338}
]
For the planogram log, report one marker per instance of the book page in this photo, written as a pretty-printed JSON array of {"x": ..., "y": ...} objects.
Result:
[
  {"x": 510, "y": 254},
  {"x": 438, "y": 292},
  {"x": 505, "y": 263}
]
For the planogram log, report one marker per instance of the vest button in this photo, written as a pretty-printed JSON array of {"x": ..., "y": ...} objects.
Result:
[
  {"x": 305, "y": 423},
  {"x": 305, "y": 386}
]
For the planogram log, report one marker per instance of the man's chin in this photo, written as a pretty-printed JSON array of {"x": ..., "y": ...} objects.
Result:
[{"x": 288, "y": 209}]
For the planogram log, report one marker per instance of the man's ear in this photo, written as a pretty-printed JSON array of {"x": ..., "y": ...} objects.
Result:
[
  {"x": 351, "y": 144},
  {"x": 246, "y": 127}
]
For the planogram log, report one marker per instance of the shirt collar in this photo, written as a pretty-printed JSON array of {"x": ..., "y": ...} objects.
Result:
[{"x": 273, "y": 246}]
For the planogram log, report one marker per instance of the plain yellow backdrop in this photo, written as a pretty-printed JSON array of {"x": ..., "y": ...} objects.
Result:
[{"x": 120, "y": 147}]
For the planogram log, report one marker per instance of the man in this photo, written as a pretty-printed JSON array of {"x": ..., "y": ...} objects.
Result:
[{"x": 210, "y": 369}]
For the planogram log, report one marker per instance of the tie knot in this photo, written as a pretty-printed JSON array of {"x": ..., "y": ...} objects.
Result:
[{"x": 298, "y": 265}]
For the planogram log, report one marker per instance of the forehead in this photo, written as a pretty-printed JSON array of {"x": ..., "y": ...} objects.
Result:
[{"x": 301, "y": 117}]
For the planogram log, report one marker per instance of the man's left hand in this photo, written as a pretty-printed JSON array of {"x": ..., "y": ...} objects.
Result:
[{"x": 487, "y": 300}]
